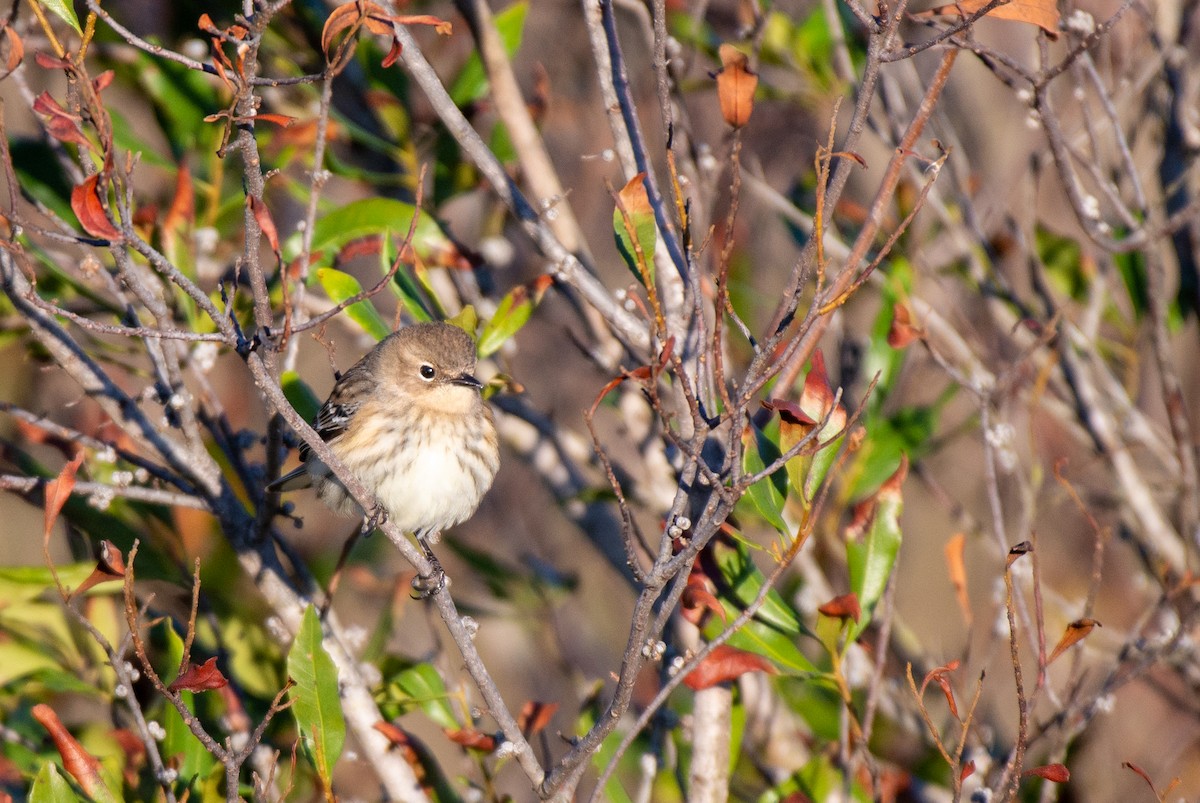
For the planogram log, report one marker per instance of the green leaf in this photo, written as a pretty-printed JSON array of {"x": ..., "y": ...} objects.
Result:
[
  {"x": 634, "y": 229},
  {"x": 64, "y": 12},
  {"x": 367, "y": 217},
  {"x": 24, "y": 583},
  {"x": 472, "y": 83},
  {"x": 775, "y": 627},
  {"x": 317, "y": 707},
  {"x": 340, "y": 286},
  {"x": 769, "y": 493},
  {"x": 871, "y": 557},
  {"x": 512, "y": 314},
  {"x": 300, "y": 395},
  {"x": 423, "y": 686},
  {"x": 51, "y": 787}
]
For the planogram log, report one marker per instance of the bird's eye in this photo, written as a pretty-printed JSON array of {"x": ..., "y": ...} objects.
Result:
[{"x": 427, "y": 371}]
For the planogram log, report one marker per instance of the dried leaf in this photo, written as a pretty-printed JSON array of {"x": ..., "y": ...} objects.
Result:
[
  {"x": 59, "y": 490},
  {"x": 49, "y": 62},
  {"x": 735, "y": 86},
  {"x": 790, "y": 412},
  {"x": 281, "y": 120},
  {"x": 82, "y": 765},
  {"x": 199, "y": 678},
  {"x": 85, "y": 203},
  {"x": 1042, "y": 13},
  {"x": 1076, "y": 632},
  {"x": 1057, "y": 773},
  {"x": 535, "y": 716},
  {"x": 1023, "y": 548},
  {"x": 955, "y": 563},
  {"x": 724, "y": 664},
  {"x": 604, "y": 391},
  {"x": 842, "y": 607}
]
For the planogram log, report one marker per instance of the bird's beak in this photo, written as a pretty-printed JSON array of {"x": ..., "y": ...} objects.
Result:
[{"x": 467, "y": 381}]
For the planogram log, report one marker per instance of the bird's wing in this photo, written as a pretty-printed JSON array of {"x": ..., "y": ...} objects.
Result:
[{"x": 344, "y": 400}]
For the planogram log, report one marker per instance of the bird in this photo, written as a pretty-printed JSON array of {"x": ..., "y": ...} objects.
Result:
[{"x": 409, "y": 420}]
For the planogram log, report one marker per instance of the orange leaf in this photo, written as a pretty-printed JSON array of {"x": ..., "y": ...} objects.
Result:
[
  {"x": 199, "y": 678},
  {"x": 1076, "y": 632},
  {"x": 844, "y": 607},
  {"x": 1042, "y": 13},
  {"x": 85, "y": 203},
  {"x": 967, "y": 771},
  {"x": 263, "y": 215},
  {"x": 1056, "y": 773},
  {"x": 281, "y": 120},
  {"x": 82, "y": 766},
  {"x": 954, "y": 551},
  {"x": 16, "y": 49},
  {"x": 102, "y": 81},
  {"x": 182, "y": 211},
  {"x": 817, "y": 397},
  {"x": 535, "y": 716},
  {"x": 472, "y": 739},
  {"x": 724, "y": 664},
  {"x": 735, "y": 86},
  {"x": 634, "y": 198},
  {"x": 59, "y": 490}
]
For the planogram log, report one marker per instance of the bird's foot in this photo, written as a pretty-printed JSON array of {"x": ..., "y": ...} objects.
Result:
[
  {"x": 377, "y": 516},
  {"x": 428, "y": 585}
]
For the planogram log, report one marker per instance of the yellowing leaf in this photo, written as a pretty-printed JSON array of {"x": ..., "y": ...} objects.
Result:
[{"x": 1042, "y": 13}]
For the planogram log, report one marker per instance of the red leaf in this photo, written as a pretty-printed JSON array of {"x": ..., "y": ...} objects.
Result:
[
  {"x": 1056, "y": 773},
  {"x": 790, "y": 412},
  {"x": 62, "y": 126},
  {"x": 472, "y": 739},
  {"x": 109, "y": 566},
  {"x": 199, "y": 678},
  {"x": 938, "y": 675},
  {"x": 265, "y": 222},
  {"x": 102, "y": 81},
  {"x": 82, "y": 766},
  {"x": 844, "y": 607},
  {"x": 735, "y": 86},
  {"x": 817, "y": 397},
  {"x": 59, "y": 490},
  {"x": 604, "y": 391},
  {"x": 724, "y": 664},
  {"x": 698, "y": 596},
  {"x": 535, "y": 716},
  {"x": 394, "y": 734},
  {"x": 51, "y": 62},
  {"x": 85, "y": 203},
  {"x": 902, "y": 332}
]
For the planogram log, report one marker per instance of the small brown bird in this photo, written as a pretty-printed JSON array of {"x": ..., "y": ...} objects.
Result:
[{"x": 408, "y": 419}]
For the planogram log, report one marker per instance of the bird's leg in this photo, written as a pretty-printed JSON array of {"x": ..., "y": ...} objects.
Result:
[
  {"x": 377, "y": 516},
  {"x": 426, "y": 587}
]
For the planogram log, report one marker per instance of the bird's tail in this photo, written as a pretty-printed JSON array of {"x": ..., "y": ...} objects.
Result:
[{"x": 292, "y": 481}]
